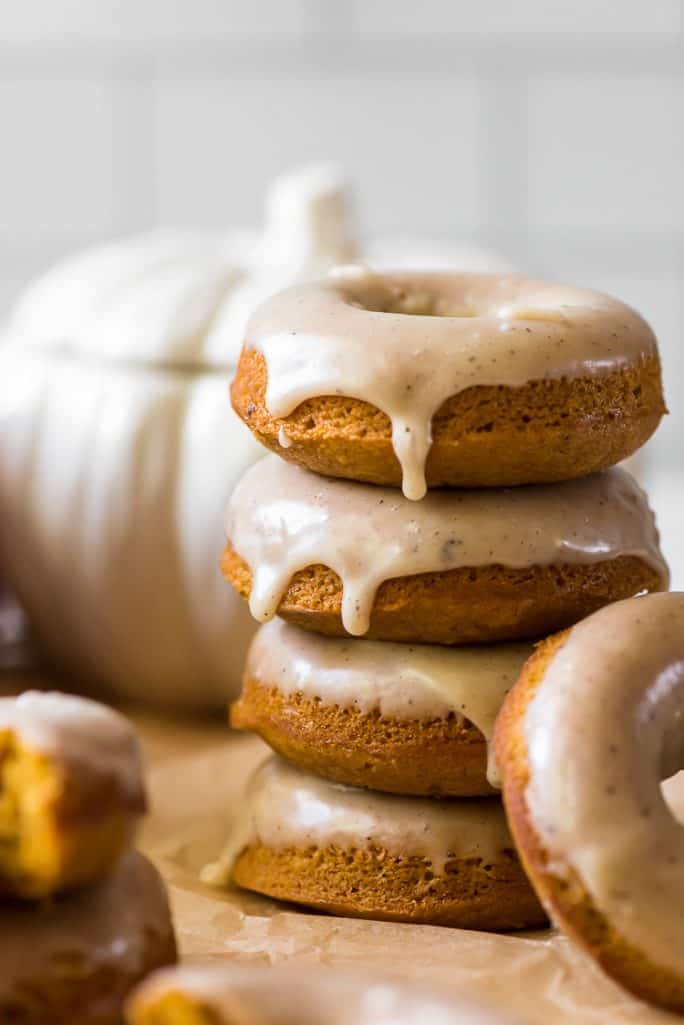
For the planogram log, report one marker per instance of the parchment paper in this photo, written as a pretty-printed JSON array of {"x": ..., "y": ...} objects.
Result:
[{"x": 197, "y": 772}]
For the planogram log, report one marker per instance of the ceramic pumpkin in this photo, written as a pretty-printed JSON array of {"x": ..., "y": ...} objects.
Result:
[{"x": 118, "y": 447}]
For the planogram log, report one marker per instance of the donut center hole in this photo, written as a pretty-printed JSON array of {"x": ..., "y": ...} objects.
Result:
[{"x": 412, "y": 303}]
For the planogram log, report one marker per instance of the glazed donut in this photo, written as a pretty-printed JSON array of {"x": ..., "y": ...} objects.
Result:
[
  {"x": 74, "y": 960},
  {"x": 460, "y": 567},
  {"x": 371, "y": 855},
  {"x": 467, "y": 380},
  {"x": 257, "y": 994},
  {"x": 71, "y": 792},
  {"x": 584, "y": 739},
  {"x": 403, "y": 718}
]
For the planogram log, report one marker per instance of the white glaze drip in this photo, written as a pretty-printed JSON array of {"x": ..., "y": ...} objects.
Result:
[
  {"x": 603, "y": 729},
  {"x": 402, "y": 681},
  {"x": 282, "y": 519},
  {"x": 407, "y": 342},
  {"x": 285, "y": 807},
  {"x": 283, "y": 440}
]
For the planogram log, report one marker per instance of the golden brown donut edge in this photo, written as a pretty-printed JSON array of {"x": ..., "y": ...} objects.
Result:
[
  {"x": 566, "y": 898},
  {"x": 444, "y": 757},
  {"x": 468, "y": 605},
  {"x": 485, "y": 436}
]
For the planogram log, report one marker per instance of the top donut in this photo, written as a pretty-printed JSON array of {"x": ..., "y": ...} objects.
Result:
[{"x": 445, "y": 378}]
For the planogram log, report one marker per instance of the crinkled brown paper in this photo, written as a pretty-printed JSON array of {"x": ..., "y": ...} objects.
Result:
[{"x": 197, "y": 774}]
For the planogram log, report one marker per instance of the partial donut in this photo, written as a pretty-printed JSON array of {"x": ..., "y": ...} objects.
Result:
[
  {"x": 466, "y": 380},
  {"x": 402, "y": 718},
  {"x": 460, "y": 567},
  {"x": 583, "y": 742},
  {"x": 74, "y": 960},
  {"x": 257, "y": 994},
  {"x": 71, "y": 792},
  {"x": 369, "y": 855}
]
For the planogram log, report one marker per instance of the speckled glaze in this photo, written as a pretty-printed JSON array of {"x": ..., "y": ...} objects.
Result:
[
  {"x": 407, "y": 342},
  {"x": 282, "y": 519},
  {"x": 285, "y": 807},
  {"x": 402, "y": 681},
  {"x": 603, "y": 729}
]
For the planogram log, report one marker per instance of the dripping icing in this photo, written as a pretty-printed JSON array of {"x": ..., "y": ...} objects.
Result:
[
  {"x": 406, "y": 343},
  {"x": 282, "y": 519},
  {"x": 285, "y": 807},
  {"x": 404, "y": 681}
]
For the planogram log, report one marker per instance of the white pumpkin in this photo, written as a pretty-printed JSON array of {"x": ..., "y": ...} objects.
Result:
[{"x": 118, "y": 447}]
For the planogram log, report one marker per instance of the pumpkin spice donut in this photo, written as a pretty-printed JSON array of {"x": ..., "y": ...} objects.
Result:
[
  {"x": 73, "y": 960},
  {"x": 71, "y": 792},
  {"x": 403, "y": 718},
  {"x": 370, "y": 855},
  {"x": 258, "y": 994},
  {"x": 583, "y": 742},
  {"x": 446, "y": 378},
  {"x": 460, "y": 567}
]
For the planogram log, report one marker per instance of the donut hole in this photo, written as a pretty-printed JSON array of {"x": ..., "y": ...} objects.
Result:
[{"x": 381, "y": 297}]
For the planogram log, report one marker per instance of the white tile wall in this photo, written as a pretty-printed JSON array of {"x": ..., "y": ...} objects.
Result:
[
  {"x": 46, "y": 22},
  {"x": 380, "y": 17},
  {"x": 551, "y": 130},
  {"x": 606, "y": 152},
  {"x": 61, "y": 143},
  {"x": 219, "y": 141}
]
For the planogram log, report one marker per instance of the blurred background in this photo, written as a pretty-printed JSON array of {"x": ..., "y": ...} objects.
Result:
[{"x": 548, "y": 131}]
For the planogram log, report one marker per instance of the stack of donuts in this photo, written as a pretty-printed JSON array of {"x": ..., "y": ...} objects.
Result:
[
  {"x": 83, "y": 917},
  {"x": 442, "y": 494}
]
